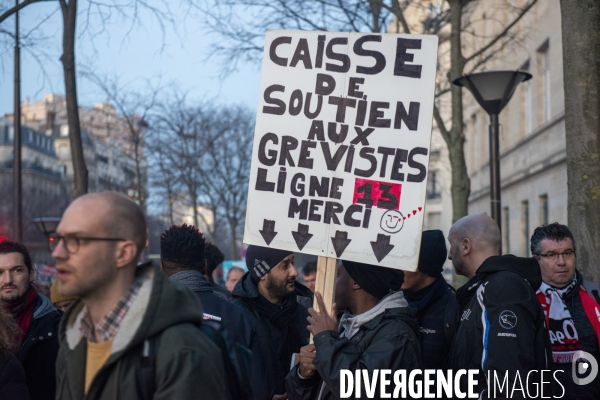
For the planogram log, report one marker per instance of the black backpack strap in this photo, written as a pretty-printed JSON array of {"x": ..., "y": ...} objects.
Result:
[
  {"x": 145, "y": 373},
  {"x": 235, "y": 360}
]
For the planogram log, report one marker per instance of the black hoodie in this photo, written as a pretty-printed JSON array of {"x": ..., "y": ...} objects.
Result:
[{"x": 502, "y": 327}]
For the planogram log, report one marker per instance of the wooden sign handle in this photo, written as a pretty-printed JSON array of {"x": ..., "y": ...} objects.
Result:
[{"x": 325, "y": 283}]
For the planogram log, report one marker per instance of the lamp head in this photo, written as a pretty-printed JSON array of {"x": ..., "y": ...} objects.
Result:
[{"x": 492, "y": 89}]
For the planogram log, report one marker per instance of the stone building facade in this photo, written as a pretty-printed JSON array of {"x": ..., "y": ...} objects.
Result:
[
  {"x": 532, "y": 135},
  {"x": 107, "y": 150}
]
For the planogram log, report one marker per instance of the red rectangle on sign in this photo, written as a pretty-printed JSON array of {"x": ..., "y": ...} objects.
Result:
[{"x": 375, "y": 193}]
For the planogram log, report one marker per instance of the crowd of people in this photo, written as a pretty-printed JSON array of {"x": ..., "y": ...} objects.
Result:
[{"x": 115, "y": 328}]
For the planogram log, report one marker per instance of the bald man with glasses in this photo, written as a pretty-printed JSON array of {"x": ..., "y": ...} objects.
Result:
[
  {"x": 132, "y": 334},
  {"x": 571, "y": 307}
]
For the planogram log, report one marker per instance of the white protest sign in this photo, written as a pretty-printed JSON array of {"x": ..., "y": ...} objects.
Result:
[{"x": 341, "y": 146}]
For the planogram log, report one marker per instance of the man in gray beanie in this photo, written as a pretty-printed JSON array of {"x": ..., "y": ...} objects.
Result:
[
  {"x": 378, "y": 331},
  {"x": 268, "y": 293},
  {"x": 433, "y": 299}
]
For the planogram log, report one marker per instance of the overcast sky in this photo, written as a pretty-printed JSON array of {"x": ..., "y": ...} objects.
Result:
[{"x": 133, "y": 56}]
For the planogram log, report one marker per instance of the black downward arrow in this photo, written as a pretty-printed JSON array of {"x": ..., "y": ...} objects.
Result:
[
  {"x": 302, "y": 236},
  {"x": 268, "y": 231},
  {"x": 340, "y": 242},
  {"x": 382, "y": 246}
]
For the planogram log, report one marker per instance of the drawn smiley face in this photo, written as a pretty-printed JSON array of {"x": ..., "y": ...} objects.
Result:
[{"x": 392, "y": 221}]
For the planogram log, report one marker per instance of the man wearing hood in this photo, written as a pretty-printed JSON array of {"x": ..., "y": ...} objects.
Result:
[
  {"x": 433, "y": 299},
  {"x": 128, "y": 318},
  {"x": 214, "y": 257},
  {"x": 571, "y": 307},
  {"x": 377, "y": 331},
  {"x": 182, "y": 258},
  {"x": 268, "y": 293},
  {"x": 36, "y": 337},
  {"x": 501, "y": 330}
]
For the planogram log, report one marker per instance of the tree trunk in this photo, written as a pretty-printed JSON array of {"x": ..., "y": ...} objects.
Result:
[
  {"x": 461, "y": 184},
  {"x": 80, "y": 172},
  {"x": 233, "y": 247},
  {"x": 195, "y": 206},
  {"x": 171, "y": 199},
  {"x": 138, "y": 172},
  {"x": 581, "y": 66}
]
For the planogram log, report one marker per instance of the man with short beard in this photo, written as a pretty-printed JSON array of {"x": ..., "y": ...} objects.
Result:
[
  {"x": 268, "y": 292},
  {"x": 36, "y": 339}
]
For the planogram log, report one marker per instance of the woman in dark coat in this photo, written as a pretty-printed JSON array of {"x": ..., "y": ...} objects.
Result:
[{"x": 12, "y": 376}]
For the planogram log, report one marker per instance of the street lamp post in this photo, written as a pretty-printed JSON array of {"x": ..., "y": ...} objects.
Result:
[
  {"x": 47, "y": 225},
  {"x": 17, "y": 183},
  {"x": 493, "y": 90}
]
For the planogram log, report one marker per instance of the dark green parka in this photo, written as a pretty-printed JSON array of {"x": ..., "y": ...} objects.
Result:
[{"x": 188, "y": 365}]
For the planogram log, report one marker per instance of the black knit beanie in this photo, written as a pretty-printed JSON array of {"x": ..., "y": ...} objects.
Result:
[
  {"x": 377, "y": 281},
  {"x": 433, "y": 253},
  {"x": 260, "y": 260}
]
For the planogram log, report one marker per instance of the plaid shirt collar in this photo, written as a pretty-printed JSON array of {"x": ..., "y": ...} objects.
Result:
[{"x": 109, "y": 325}]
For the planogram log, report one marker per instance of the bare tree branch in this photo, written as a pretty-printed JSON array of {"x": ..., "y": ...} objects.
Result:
[
  {"x": 16, "y": 8},
  {"x": 502, "y": 33}
]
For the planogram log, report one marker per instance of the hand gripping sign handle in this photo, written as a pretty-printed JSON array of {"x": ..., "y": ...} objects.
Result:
[{"x": 325, "y": 283}]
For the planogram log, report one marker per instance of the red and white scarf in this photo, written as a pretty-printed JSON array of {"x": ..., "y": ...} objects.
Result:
[{"x": 563, "y": 334}]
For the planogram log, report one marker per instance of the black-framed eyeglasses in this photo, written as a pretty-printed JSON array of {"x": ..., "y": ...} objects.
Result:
[
  {"x": 567, "y": 255},
  {"x": 72, "y": 242}
]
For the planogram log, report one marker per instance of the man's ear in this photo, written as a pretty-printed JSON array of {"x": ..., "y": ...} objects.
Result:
[
  {"x": 126, "y": 252},
  {"x": 467, "y": 246},
  {"x": 31, "y": 274}
]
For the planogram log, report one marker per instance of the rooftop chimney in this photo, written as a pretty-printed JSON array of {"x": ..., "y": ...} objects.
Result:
[{"x": 49, "y": 121}]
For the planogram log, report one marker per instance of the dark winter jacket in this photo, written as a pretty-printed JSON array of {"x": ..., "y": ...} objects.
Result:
[
  {"x": 221, "y": 291},
  {"x": 39, "y": 350},
  {"x": 436, "y": 308},
  {"x": 589, "y": 341},
  {"x": 12, "y": 378},
  {"x": 239, "y": 324},
  {"x": 389, "y": 341},
  {"x": 305, "y": 301},
  {"x": 272, "y": 339},
  {"x": 502, "y": 325},
  {"x": 187, "y": 365}
]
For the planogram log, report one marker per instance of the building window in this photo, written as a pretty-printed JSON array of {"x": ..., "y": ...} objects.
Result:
[
  {"x": 433, "y": 186},
  {"x": 484, "y": 155},
  {"x": 525, "y": 228},
  {"x": 528, "y": 105},
  {"x": 434, "y": 220},
  {"x": 474, "y": 164},
  {"x": 544, "y": 209},
  {"x": 505, "y": 231},
  {"x": 544, "y": 67}
]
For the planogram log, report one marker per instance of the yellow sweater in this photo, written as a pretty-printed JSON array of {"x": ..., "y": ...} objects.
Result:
[{"x": 97, "y": 354}]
